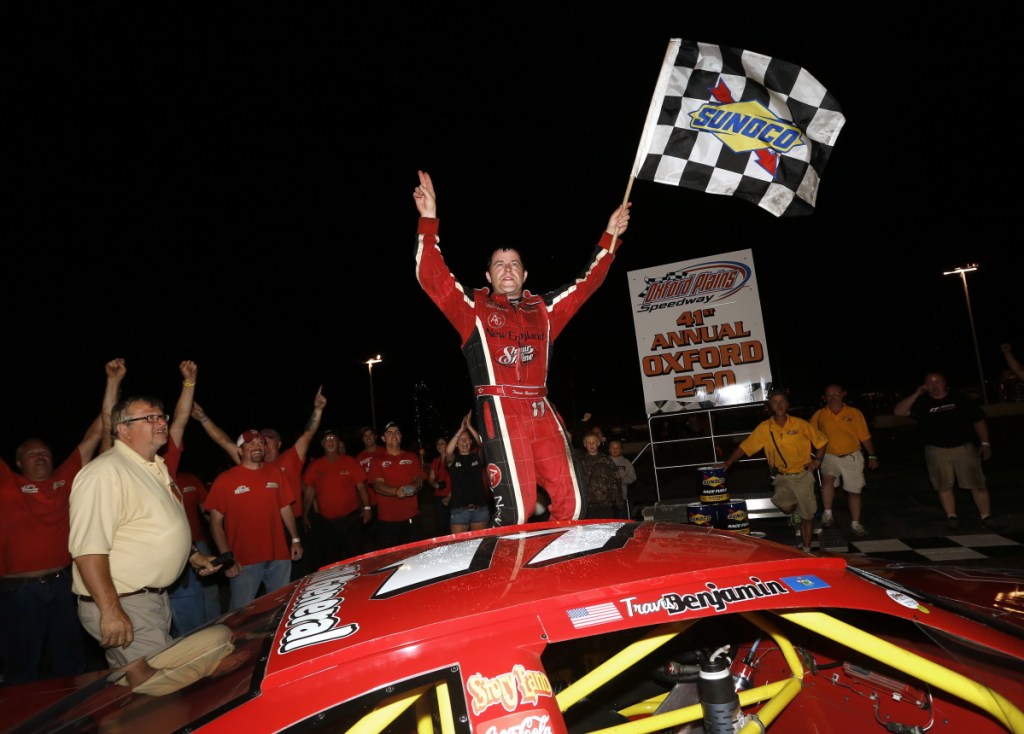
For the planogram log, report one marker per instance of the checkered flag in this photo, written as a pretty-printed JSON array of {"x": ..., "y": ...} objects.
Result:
[{"x": 737, "y": 123}]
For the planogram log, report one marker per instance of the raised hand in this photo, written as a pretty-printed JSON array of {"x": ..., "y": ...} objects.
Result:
[{"x": 423, "y": 195}]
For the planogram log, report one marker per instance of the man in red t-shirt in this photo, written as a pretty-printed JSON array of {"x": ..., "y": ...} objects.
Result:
[
  {"x": 37, "y": 609},
  {"x": 336, "y": 503},
  {"x": 370, "y": 449},
  {"x": 247, "y": 505},
  {"x": 289, "y": 462},
  {"x": 397, "y": 476}
]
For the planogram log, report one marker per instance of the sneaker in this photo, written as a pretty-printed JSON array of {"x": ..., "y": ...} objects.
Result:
[
  {"x": 952, "y": 523},
  {"x": 988, "y": 523},
  {"x": 826, "y": 519},
  {"x": 858, "y": 529}
]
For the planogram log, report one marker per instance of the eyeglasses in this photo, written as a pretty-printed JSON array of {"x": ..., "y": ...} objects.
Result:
[{"x": 154, "y": 418}]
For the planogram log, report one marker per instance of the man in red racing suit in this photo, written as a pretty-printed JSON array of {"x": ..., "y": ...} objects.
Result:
[{"x": 506, "y": 339}]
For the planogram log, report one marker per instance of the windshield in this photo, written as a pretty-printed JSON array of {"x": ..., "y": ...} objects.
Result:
[{"x": 215, "y": 667}]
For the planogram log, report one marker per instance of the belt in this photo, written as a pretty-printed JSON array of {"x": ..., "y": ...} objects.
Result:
[
  {"x": 512, "y": 391},
  {"x": 791, "y": 473},
  {"x": 143, "y": 590},
  {"x": 14, "y": 581},
  {"x": 843, "y": 456},
  {"x": 468, "y": 507}
]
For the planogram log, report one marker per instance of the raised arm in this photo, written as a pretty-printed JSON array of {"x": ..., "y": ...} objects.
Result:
[
  {"x": 116, "y": 370},
  {"x": 91, "y": 440},
  {"x": 303, "y": 441},
  {"x": 902, "y": 408},
  {"x": 453, "y": 442},
  {"x": 183, "y": 409},
  {"x": 618, "y": 222},
  {"x": 216, "y": 433},
  {"x": 1011, "y": 361},
  {"x": 468, "y": 423}
]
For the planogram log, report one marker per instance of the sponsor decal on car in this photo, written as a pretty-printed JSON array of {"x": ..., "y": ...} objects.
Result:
[
  {"x": 508, "y": 689},
  {"x": 712, "y": 598},
  {"x": 538, "y": 722},
  {"x": 316, "y": 618}
]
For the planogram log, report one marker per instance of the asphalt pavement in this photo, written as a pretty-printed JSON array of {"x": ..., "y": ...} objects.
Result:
[{"x": 900, "y": 510}]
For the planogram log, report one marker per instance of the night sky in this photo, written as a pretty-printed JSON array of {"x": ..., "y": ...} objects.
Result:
[{"x": 233, "y": 184}]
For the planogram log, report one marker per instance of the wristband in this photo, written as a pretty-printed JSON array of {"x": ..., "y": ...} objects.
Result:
[
  {"x": 188, "y": 384},
  {"x": 367, "y": 507},
  {"x": 985, "y": 443},
  {"x": 296, "y": 540},
  {"x": 872, "y": 456},
  {"x": 203, "y": 419}
]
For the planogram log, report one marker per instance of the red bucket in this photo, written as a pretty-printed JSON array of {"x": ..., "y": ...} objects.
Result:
[{"x": 712, "y": 484}]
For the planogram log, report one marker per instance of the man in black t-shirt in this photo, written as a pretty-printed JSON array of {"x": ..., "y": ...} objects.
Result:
[{"x": 949, "y": 426}]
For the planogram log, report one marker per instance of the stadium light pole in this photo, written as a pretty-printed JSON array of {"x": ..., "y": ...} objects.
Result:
[
  {"x": 373, "y": 405},
  {"x": 962, "y": 272}
]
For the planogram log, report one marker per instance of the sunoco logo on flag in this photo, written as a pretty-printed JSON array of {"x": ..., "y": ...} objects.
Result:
[{"x": 738, "y": 123}]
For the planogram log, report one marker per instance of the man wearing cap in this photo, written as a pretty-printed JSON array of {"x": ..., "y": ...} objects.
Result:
[
  {"x": 506, "y": 340},
  {"x": 247, "y": 504},
  {"x": 334, "y": 488},
  {"x": 289, "y": 462},
  {"x": 397, "y": 476},
  {"x": 129, "y": 536}
]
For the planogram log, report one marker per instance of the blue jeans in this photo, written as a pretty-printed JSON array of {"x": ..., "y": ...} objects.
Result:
[
  {"x": 466, "y": 516},
  {"x": 36, "y": 619},
  {"x": 272, "y": 574},
  {"x": 194, "y": 601}
]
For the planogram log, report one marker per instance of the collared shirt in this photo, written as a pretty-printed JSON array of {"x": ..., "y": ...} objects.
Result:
[
  {"x": 846, "y": 430},
  {"x": 129, "y": 509},
  {"x": 794, "y": 440},
  {"x": 34, "y": 519}
]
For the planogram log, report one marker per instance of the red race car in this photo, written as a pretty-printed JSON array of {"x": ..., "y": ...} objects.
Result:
[{"x": 557, "y": 627}]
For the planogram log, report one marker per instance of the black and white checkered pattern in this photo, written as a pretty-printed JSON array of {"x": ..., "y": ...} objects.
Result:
[{"x": 695, "y": 75}]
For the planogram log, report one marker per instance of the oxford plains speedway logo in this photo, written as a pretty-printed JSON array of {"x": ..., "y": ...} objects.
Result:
[
  {"x": 698, "y": 284},
  {"x": 746, "y": 127}
]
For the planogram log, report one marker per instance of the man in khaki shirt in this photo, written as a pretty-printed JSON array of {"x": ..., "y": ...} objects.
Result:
[{"x": 130, "y": 537}]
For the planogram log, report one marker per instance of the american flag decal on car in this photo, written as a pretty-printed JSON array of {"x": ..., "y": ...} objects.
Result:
[{"x": 592, "y": 615}]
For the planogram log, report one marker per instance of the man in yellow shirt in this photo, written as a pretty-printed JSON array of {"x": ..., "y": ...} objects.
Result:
[
  {"x": 847, "y": 432},
  {"x": 788, "y": 443}
]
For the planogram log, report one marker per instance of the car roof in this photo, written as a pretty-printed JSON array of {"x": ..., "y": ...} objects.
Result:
[{"x": 563, "y": 578}]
